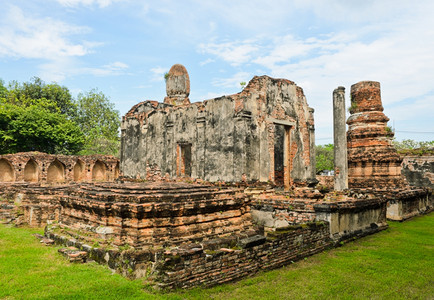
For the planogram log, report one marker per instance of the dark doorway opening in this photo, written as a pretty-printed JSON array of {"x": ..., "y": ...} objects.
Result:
[
  {"x": 184, "y": 160},
  {"x": 282, "y": 157},
  {"x": 279, "y": 137}
]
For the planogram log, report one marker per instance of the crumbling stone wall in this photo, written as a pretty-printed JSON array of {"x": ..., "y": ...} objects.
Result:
[
  {"x": 55, "y": 169},
  {"x": 186, "y": 268},
  {"x": 264, "y": 133}
]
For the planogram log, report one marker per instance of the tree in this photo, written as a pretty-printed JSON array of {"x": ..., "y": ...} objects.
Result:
[
  {"x": 324, "y": 157},
  {"x": 36, "y": 116},
  {"x": 35, "y": 128},
  {"x": 37, "y": 91},
  {"x": 99, "y": 122},
  {"x": 3, "y": 90}
]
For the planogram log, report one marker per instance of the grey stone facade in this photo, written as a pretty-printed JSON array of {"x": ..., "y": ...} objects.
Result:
[{"x": 264, "y": 133}]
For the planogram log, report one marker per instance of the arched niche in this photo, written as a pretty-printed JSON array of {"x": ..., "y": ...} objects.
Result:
[
  {"x": 78, "y": 171},
  {"x": 31, "y": 171},
  {"x": 7, "y": 173},
  {"x": 56, "y": 172},
  {"x": 99, "y": 171},
  {"x": 117, "y": 171}
]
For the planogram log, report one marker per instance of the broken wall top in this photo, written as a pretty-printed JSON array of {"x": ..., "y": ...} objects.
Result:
[{"x": 263, "y": 96}]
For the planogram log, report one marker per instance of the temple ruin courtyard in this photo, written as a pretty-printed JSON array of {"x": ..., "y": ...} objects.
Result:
[{"x": 212, "y": 192}]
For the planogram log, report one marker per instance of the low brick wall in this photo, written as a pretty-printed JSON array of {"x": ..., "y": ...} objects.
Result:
[
  {"x": 352, "y": 219},
  {"x": 274, "y": 210},
  {"x": 350, "y": 214},
  {"x": 185, "y": 268},
  {"x": 30, "y": 203},
  {"x": 405, "y": 204},
  {"x": 209, "y": 264}
]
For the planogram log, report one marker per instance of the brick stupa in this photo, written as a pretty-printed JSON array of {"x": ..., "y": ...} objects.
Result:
[
  {"x": 177, "y": 86},
  {"x": 372, "y": 159}
]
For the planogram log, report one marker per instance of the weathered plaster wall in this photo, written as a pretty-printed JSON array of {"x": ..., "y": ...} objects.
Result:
[
  {"x": 231, "y": 138},
  {"x": 419, "y": 171},
  {"x": 353, "y": 218}
]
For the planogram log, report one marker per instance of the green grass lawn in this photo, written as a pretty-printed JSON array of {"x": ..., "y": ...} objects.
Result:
[{"x": 397, "y": 263}]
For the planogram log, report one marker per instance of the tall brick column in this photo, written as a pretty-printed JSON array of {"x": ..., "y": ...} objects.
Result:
[{"x": 372, "y": 159}]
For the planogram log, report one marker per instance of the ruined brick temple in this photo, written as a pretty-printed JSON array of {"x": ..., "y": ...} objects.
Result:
[
  {"x": 264, "y": 133},
  {"x": 213, "y": 191}
]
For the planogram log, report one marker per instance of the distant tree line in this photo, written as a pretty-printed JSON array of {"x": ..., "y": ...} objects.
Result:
[
  {"x": 36, "y": 116},
  {"x": 324, "y": 153},
  {"x": 411, "y": 147}
]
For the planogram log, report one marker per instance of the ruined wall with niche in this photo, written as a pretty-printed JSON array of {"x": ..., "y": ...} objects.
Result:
[
  {"x": 48, "y": 168},
  {"x": 264, "y": 133}
]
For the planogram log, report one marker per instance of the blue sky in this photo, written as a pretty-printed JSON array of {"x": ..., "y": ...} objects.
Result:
[{"x": 124, "y": 47}]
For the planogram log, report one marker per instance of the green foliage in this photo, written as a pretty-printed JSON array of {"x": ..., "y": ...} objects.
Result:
[
  {"x": 99, "y": 122},
  {"x": 166, "y": 76},
  {"x": 243, "y": 84},
  {"x": 3, "y": 90},
  {"x": 411, "y": 147},
  {"x": 353, "y": 107},
  {"x": 36, "y": 128},
  {"x": 58, "y": 98},
  {"x": 324, "y": 157},
  {"x": 35, "y": 116}
]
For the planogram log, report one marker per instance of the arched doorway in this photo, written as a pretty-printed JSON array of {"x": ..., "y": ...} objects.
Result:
[
  {"x": 99, "y": 171},
  {"x": 6, "y": 171},
  {"x": 78, "y": 171},
  {"x": 31, "y": 171},
  {"x": 56, "y": 172}
]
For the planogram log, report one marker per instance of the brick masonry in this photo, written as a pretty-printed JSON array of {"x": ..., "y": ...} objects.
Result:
[{"x": 52, "y": 169}]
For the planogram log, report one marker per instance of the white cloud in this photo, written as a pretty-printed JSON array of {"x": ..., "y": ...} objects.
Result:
[
  {"x": 22, "y": 36},
  {"x": 115, "y": 68},
  {"x": 236, "y": 53},
  {"x": 234, "y": 81},
  {"x": 46, "y": 39},
  {"x": 57, "y": 70},
  {"x": 207, "y": 61},
  {"x": 392, "y": 44},
  {"x": 157, "y": 73},
  {"x": 100, "y": 3}
]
